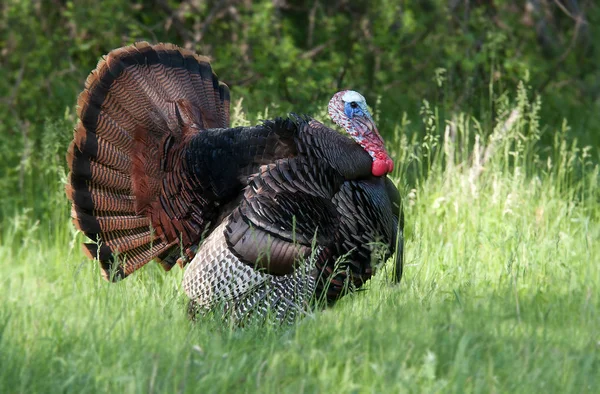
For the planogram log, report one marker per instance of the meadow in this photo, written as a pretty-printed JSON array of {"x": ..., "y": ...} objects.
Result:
[{"x": 499, "y": 294}]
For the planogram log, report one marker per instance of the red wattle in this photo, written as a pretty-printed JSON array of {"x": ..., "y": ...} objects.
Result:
[
  {"x": 390, "y": 165},
  {"x": 379, "y": 167}
]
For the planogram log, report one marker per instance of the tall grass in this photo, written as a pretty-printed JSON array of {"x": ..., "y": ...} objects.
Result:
[{"x": 500, "y": 291}]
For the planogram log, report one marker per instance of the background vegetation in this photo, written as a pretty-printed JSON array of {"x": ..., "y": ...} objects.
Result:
[{"x": 490, "y": 109}]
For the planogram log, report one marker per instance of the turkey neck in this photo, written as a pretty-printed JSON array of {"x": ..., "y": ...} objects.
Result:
[{"x": 365, "y": 133}]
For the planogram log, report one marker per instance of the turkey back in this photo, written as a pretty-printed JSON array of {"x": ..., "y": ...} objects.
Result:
[{"x": 140, "y": 105}]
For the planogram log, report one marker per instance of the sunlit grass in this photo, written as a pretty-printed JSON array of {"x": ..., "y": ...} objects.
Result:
[{"x": 500, "y": 292}]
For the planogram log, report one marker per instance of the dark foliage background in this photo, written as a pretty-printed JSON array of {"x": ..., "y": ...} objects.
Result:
[{"x": 460, "y": 55}]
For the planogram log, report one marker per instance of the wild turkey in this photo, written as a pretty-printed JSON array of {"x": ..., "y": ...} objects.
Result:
[{"x": 282, "y": 213}]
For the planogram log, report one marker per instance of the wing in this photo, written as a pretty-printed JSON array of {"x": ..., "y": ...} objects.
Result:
[
  {"x": 286, "y": 208},
  {"x": 367, "y": 235}
]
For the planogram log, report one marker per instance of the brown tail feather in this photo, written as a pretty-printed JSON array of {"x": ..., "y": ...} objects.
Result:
[
  {"x": 99, "y": 199},
  {"x": 98, "y": 224},
  {"x": 130, "y": 116},
  {"x": 125, "y": 240}
]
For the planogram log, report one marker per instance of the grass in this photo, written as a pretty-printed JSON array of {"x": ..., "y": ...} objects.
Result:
[{"x": 500, "y": 292}]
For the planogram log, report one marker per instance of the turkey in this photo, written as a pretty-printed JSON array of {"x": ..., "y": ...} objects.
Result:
[{"x": 269, "y": 218}]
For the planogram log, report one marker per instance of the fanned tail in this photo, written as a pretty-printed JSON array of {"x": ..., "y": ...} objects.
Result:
[{"x": 139, "y": 107}]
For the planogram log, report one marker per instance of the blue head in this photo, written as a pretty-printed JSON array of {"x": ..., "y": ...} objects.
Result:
[{"x": 355, "y": 105}]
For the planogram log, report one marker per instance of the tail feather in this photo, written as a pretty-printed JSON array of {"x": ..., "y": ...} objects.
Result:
[
  {"x": 129, "y": 118},
  {"x": 100, "y": 199},
  {"x": 129, "y": 262},
  {"x": 107, "y": 177},
  {"x": 108, "y": 223},
  {"x": 124, "y": 240}
]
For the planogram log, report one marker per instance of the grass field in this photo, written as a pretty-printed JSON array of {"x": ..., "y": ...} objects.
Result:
[{"x": 500, "y": 293}]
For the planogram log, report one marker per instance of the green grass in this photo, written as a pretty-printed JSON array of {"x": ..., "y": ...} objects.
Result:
[{"x": 500, "y": 293}]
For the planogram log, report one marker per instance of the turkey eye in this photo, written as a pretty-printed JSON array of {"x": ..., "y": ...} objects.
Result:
[{"x": 353, "y": 104}]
